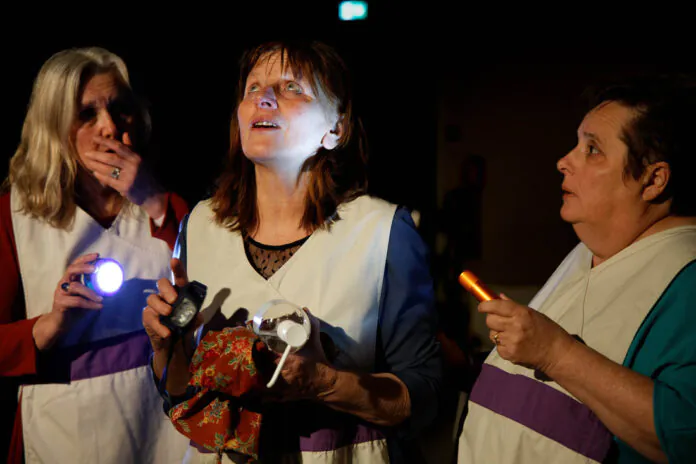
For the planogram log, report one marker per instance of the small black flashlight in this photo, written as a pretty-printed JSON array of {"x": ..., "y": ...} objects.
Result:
[{"x": 188, "y": 303}]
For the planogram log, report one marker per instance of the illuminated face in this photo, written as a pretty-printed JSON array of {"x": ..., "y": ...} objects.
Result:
[{"x": 281, "y": 118}]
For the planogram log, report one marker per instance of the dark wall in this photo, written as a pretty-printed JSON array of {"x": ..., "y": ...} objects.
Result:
[{"x": 517, "y": 105}]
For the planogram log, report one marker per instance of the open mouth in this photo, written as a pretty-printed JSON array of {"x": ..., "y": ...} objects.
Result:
[{"x": 264, "y": 125}]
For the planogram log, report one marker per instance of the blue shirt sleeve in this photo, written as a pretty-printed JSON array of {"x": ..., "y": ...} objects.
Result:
[
  {"x": 168, "y": 400},
  {"x": 408, "y": 323}
]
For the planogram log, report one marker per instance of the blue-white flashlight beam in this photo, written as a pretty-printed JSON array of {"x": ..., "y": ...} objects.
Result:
[{"x": 107, "y": 277}]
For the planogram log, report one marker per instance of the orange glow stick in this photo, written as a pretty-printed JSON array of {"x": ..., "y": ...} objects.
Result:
[{"x": 473, "y": 285}]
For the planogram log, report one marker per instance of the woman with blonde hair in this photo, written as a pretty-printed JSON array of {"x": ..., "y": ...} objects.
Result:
[{"x": 78, "y": 191}]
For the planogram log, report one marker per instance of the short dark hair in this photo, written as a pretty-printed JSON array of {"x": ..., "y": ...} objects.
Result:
[{"x": 663, "y": 129}]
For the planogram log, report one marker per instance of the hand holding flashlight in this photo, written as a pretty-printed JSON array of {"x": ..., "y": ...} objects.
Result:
[
  {"x": 174, "y": 309},
  {"x": 171, "y": 347},
  {"x": 70, "y": 294}
]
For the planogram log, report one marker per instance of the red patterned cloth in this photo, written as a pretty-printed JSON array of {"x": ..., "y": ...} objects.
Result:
[{"x": 224, "y": 367}]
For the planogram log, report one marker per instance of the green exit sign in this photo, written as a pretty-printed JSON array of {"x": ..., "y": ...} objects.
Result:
[{"x": 352, "y": 11}]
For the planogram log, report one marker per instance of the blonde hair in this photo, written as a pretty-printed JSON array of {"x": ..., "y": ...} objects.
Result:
[{"x": 44, "y": 168}]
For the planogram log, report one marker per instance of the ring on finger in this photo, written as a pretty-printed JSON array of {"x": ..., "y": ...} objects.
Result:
[
  {"x": 496, "y": 339},
  {"x": 65, "y": 286}
]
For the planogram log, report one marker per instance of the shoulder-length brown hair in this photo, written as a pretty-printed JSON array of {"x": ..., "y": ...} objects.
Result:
[{"x": 335, "y": 176}]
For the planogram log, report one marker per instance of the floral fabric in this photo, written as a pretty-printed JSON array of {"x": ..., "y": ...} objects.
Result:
[{"x": 223, "y": 415}]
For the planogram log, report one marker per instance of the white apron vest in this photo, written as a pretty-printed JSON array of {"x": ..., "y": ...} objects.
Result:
[
  {"x": 337, "y": 274},
  {"x": 514, "y": 418},
  {"x": 100, "y": 404}
]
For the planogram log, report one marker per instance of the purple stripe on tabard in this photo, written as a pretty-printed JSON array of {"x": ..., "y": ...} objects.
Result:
[
  {"x": 543, "y": 409},
  {"x": 330, "y": 439},
  {"x": 116, "y": 354}
]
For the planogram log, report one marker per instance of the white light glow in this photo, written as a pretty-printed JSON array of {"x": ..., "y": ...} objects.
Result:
[{"x": 108, "y": 277}]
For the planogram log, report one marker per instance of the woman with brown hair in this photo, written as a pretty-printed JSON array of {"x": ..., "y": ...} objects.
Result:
[{"x": 290, "y": 219}]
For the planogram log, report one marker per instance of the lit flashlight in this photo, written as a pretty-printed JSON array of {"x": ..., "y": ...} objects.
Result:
[
  {"x": 107, "y": 277},
  {"x": 473, "y": 285}
]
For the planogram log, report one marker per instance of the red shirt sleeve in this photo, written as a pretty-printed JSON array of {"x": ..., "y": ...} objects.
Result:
[
  {"x": 17, "y": 349},
  {"x": 176, "y": 210}
]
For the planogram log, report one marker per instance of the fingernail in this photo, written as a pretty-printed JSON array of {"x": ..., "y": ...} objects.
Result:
[{"x": 100, "y": 298}]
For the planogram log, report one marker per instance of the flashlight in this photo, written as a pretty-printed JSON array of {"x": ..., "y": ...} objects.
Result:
[
  {"x": 187, "y": 304},
  {"x": 473, "y": 285},
  {"x": 107, "y": 277}
]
